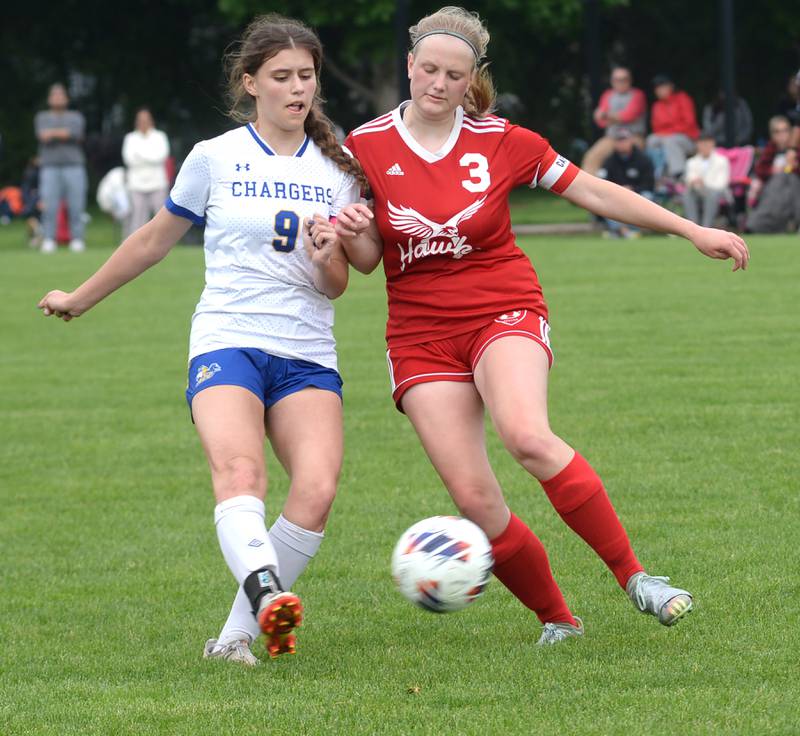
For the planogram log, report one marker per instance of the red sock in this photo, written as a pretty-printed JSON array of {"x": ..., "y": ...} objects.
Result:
[
  {"x": 578, "y": 495},
  {"x": 521, "y": 564}
]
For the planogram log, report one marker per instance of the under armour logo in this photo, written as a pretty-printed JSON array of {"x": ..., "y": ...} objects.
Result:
[
  {"x": 255, "y": 542},
  {"x": 239, "y": 167}
]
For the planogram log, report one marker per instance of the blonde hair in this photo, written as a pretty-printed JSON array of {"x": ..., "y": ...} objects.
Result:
[
  {"x": 481, "y": 95},
  {"x": 265, "y": 37}
]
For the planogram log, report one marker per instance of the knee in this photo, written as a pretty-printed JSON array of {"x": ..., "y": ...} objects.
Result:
[
  {"x": 531, "y": 446},
  {"x": 238, "y": 476},
  {"x": 310, "y": 500},
  {"x": 484, "y": 506}
]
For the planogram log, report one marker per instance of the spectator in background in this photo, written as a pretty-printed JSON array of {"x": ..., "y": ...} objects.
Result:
[
  {"x": 631, "y": 168},
  {"x": 620, "y": 106},
  {"x": 714, "y": 121},
  {"x": 789, "y": 106},
  {"x": 145, "y": 151},
  {"x": 707, "y": 177},
  {"x": 776, "y": 184},
  {"x": 674, "y": 127},
  {"x": 62, "y": 175}
]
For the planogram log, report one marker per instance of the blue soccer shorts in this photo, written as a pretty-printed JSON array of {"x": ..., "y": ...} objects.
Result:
[{"x": 269, "y": 377}]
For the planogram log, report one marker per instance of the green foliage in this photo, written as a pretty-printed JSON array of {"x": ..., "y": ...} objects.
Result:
[{"x": 676, "y": 378}]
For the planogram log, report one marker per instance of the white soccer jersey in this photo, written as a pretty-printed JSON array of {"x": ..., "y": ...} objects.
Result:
[{"x": 259, "y": 289}]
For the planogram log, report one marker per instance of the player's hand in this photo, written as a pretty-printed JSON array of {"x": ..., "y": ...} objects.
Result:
[
  {"x": 723, "y": 245},
  {"x": 319, "y": 239},
  {"x": 59, "y": 304},
  {"x": 353, "y": 220}
]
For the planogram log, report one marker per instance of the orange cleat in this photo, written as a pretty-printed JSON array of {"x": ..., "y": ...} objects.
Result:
[{"x": 278, "y": 616}]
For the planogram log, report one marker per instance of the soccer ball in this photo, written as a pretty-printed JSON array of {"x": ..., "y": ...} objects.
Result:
[{"x": 442, "y": 563}]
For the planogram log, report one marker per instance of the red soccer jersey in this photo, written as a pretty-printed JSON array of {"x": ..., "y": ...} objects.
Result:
[{"x": 449, "y": 254}]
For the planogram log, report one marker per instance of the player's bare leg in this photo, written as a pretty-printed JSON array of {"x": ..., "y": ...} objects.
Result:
[
  {"x": 512, "y": 377},
  {"x": 230, "y": 422},
  {"x": 448, "y": 417},
  {"x": 305, "y": 429}
]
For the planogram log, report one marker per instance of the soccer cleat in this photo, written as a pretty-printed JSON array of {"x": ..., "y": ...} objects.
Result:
[
  {"x": 48, "y": 246},
  {"x": 653, "y": 595},
  {"x": 554, "y": 633},
  {"x": 77, "y": 246},
  {"x": 235, "y": 651},
  {"x": 278, "y": 616}
]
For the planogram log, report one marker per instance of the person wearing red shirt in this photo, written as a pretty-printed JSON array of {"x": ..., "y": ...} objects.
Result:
[
  {"x": 674, "y": 125},
  {"x": 467, "y": 329},
  {"x": 621, "y": 107}
]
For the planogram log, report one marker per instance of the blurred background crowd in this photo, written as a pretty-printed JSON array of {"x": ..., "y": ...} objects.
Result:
[{"x": 102, "y": 103}]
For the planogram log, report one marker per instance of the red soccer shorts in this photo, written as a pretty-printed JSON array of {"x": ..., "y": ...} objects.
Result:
[{"x": 455, "y": 358}]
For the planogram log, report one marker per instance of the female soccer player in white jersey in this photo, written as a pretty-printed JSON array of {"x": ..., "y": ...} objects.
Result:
[
  {"x": 262, "y": 352},
  {"x": 467, "y": 327}
]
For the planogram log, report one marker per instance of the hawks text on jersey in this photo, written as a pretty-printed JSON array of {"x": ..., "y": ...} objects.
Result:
[{"x": 450, "y": 256}]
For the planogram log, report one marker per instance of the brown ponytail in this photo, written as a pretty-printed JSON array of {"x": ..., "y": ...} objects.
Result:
[{"x": 481, "y": 97}]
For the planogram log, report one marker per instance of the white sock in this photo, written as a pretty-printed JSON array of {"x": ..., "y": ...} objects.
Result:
[
  {"x": 241, "y": 623},
  {"x": 243, "y": 536},
  {"x": 295, "y": 547}
]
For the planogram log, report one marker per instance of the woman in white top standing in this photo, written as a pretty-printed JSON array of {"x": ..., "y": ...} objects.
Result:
[
  {"x": 145, "y": 151},
  {"x": 262, "y": 357}
]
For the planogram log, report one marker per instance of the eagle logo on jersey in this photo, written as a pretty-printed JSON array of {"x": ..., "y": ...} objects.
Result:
[{"x": 434, "y": 238}]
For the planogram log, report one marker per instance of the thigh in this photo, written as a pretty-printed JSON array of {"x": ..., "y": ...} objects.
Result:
[
  {"x": 685, "y": 143},
  {"x": 305, "y": 430},
  {"x": 654, "y": 141},
  {"x": 448, "y": 417},
  {"x": 511, "y": 377},
  {"x": 230, "y": 422}
]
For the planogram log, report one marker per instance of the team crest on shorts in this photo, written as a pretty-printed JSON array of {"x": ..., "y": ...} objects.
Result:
[
  {"x": 512, "y": 318},
  {"x": 204, "y": 372}
]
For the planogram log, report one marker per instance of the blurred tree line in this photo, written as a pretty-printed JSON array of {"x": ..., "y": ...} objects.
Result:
[{"x": 544, "y": 54}]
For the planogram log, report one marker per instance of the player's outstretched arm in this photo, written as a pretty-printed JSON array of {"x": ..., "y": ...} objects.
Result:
[
  {"x": 613, "y": 201},
  {"x": 356, "y": 227},
  {"x": 328, "y": 259},
  {"x": 142, "y": 249}
]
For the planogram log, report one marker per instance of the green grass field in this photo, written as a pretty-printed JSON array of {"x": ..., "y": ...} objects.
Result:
[{"x": 676, "y": 378}]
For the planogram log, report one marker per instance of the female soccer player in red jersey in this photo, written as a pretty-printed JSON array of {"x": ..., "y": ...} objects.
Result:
[{"x": 467, "y": 327}]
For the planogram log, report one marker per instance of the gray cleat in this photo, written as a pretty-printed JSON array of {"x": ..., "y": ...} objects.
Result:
[
  {"x": 235, "y": 651},
  {"x": 654, "y": 595},
  {"x": 555, "y": 633}
]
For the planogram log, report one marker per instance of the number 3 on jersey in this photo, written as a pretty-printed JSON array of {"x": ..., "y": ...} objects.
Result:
[
  {"x": 479, "y": 179},
  {"x": 287, "y": 225}
]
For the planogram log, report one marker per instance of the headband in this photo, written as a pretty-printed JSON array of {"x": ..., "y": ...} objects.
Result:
[{"x": 449, "y": 33}]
